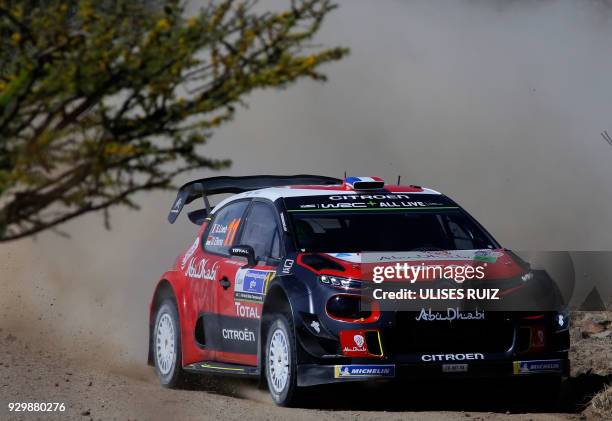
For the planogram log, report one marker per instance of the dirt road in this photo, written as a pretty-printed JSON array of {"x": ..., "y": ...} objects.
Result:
[
  {"x": 95, "y": 392},
  {"x": 95, "y": 383},
  {"x": 76, "y": 343}
]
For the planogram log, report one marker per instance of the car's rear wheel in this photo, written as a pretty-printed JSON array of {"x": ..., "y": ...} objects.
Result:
[
  {"x": 280, "y": 362},
  {"x": 167, "y": 346}
]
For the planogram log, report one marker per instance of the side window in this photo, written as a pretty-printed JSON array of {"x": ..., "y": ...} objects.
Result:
[
  {"x": 261, "y": 231},
  {"x": 464, "y": 234},
  {"x": 223, "y": 227}
]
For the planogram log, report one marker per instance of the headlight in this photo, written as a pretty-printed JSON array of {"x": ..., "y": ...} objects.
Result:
[{"x": 339, "y": 282}]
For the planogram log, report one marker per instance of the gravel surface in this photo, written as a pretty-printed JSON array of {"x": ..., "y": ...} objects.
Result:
[
  {"x": 84, "y": 344},
  {"x": 92, "y": 387}
]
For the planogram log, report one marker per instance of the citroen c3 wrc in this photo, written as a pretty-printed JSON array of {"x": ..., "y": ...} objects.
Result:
[{"x": 270, "y": 287}]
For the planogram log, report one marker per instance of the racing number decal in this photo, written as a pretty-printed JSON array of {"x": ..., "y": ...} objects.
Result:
[
  {"x": 223, "y": 235},
  {"x": 231, "y": 232},
  {"x": 252, "y": 285}
]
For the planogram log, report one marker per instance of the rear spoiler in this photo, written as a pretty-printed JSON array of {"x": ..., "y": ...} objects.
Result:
[{"x": 226, "y": 184}]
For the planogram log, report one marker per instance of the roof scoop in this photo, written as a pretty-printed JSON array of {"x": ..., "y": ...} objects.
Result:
[{"x": 365, "y": 183}]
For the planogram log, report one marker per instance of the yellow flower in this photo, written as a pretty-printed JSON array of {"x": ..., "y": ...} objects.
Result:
[
  {"x": 16, "y": 37},
  {"x": 118, "y": 149},
  {"x": 163, "y": 25},
  {"x": 192, "y": 22},
  {"x": 310, "y": 61}
]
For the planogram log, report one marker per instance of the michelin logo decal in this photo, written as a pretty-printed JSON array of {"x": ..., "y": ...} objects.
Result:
[
  {"x": 537, "y": 366},
  {"x": 342, "y": 371}
]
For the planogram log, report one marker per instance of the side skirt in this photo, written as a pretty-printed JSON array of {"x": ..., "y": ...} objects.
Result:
[{"x": 223, "y": 368}]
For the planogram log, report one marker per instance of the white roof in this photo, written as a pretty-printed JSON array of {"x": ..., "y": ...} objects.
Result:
[{"x": 273, "y": 193}]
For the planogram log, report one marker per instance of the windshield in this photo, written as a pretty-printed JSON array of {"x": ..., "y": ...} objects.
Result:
[{"x": 420, "y": 226}]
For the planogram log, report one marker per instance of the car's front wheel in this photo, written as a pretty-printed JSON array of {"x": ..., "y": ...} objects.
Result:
[
  {"x": 167, "y": 346},
  {"x": 281, "y": 369}
]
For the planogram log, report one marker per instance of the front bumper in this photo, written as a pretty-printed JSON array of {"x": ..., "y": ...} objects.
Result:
[
  {"x": 316, "y": 374},
  {"x": 400, "y": 345}
]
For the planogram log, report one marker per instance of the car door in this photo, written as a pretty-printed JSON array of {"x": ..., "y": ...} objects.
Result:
[
  {"x": 239, "y": 305},
  {"x": 213, "y": 265}
]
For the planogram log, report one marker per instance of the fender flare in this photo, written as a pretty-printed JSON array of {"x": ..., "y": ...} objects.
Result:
[{"x": 290, "y": 292}]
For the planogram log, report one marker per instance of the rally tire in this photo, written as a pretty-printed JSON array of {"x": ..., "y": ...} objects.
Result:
[
  {"x": 166, "y": 346},
  {"x": 281, "y": 362}
]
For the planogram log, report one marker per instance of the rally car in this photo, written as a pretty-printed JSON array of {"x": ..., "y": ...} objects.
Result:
[{"x": 272, "y": 287}]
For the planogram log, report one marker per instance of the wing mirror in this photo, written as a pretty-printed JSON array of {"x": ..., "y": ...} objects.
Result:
[{"x": 244, "y": 251}]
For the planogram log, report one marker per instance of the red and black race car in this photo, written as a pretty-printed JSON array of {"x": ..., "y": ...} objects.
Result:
[{"x": 271, "y": 287}]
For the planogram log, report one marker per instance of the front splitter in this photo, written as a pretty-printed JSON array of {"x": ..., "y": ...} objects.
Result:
[{"x": 314, "y": 374}]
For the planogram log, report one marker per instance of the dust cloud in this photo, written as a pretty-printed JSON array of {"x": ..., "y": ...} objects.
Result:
[{"x": 497, "y": 104}]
